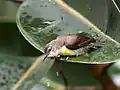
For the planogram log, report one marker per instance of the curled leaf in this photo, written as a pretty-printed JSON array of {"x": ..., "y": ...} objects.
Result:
[{"x": 41, "y": 21}]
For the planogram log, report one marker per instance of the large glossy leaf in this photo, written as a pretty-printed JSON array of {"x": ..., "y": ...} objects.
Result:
[
  {"x": 17, "y": 57},
  {"x": 75, "y": 77},
  {"x": 40, "y": 21},
  {"x": 40, "y": 70}
]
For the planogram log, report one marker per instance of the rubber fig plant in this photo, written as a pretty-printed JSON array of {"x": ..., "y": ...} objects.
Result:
[{"x": 62, "y": 33}]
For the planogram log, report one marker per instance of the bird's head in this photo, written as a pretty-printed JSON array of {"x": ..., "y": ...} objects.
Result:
[{"x": 52, "y": 51}]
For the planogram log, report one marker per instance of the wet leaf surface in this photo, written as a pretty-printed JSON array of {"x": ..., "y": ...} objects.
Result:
[{"x": 41, "y": 21}]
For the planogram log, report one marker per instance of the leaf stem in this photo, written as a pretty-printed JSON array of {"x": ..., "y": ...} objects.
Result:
[{"x": 116, "y": 6}]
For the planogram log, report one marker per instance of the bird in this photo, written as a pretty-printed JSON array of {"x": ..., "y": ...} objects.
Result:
[{"x": 69, "y": 45}]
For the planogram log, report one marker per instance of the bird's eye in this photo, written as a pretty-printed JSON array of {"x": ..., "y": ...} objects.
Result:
[{"x": 49, "y": 49}]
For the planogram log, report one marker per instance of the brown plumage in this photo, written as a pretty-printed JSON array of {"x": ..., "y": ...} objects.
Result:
[{"x": 71, "y": 41}]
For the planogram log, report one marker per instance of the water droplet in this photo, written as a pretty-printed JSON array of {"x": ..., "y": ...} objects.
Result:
[
  {"x": 48, "y": 83},
  {"x": 50, "y": 0},
  {"x": 33, "y": 28},
  {"x": 48, "y": 22},
  {"x": 57, "y": 73},
  {"x": 80, "y": 31}
]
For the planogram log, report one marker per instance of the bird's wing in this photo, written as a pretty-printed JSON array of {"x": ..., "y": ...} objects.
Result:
[{"x": 79, "y": 42}]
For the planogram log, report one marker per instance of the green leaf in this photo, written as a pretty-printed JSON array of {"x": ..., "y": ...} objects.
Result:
[
  {"x": 41, "y": 21},
  {"x": 72, "y": 74},
  {"x": 37, "y": 73}
]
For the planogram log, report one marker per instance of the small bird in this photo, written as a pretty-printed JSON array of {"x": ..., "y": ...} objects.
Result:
[{"x": 69, "y": 45}]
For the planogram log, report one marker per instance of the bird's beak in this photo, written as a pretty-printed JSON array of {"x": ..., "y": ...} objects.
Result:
[{"x": 46, "y": 55}]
